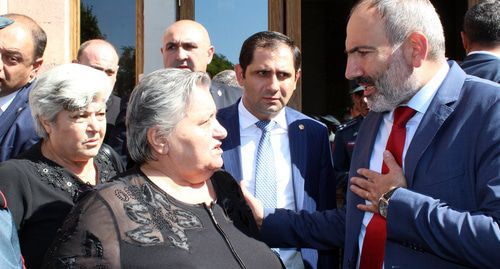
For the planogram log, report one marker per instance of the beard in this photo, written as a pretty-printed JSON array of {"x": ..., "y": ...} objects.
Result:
[{"x": 394, "y": 86}]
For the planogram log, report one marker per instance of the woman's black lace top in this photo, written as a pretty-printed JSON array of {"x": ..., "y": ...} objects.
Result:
[
  {"x": 131, "y": 223},
  {"x": 40, "y": 193}
]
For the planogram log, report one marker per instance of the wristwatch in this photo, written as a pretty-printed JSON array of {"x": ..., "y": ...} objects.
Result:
[{"x": 383, "y": 202}]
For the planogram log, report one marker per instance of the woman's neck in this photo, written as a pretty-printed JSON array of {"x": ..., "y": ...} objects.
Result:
[
  {"x": 85, "y": 170},
  {"x": 179, "y": 188}
]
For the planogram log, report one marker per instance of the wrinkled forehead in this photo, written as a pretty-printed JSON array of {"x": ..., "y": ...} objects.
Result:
[
  {"x": 17, "y": 37},
  {"x": 102, "y": 58}
]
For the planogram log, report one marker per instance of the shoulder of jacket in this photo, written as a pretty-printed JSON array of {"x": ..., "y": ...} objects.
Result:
[{"x": 349, "y": 123}]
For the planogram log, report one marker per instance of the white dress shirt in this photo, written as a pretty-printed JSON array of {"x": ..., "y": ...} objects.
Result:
[
  {"x": 249, "y": 137},
  {"x": 419, "y": 102},
  {"x": 5, "y": 101}
]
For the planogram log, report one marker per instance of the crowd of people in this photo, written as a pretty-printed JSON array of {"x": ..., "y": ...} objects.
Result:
[{"x": 193, "y": 173}]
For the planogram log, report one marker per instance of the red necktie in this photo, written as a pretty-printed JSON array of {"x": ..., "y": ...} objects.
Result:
[{"x": 372, "y": 254}]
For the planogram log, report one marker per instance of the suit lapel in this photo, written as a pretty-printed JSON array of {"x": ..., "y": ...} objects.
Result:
[
  {"x": 437, "y": 113},
  {"x": 19, "y": 103},
  {"x": 297, "y": 137},
  {"x": 360, "y": 159},
  {"x": 231, "y": 145}
]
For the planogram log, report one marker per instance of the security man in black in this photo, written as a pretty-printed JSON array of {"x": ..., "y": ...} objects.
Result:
[{"x": 345, "y": 139}]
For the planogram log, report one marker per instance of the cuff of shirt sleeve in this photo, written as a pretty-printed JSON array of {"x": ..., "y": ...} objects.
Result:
[{"x": 268, "y": 211}]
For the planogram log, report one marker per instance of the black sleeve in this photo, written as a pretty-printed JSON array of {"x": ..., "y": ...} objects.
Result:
[
  {"x": 341, "y": 163},
  {"x": 14, "y": 183},
  {"x": 88, "y": 237},
  {"x": 231, "y": 199},
  {"x": 115, "y": 159}
]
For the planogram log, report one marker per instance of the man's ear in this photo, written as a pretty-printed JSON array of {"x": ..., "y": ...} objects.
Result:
[
  {"x": 465, "y": 41},
  {"x": 417, "y": 48},
  {"x": 37, "y": 64},
  {"x": 298, "y": 74},
  {"x": 211, "y": 51},
  {"x": 157, "y": 141},
  {"x": 240, "y": 76}
]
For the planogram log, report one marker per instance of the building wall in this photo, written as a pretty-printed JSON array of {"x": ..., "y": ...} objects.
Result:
[
  {"x": 158, "y": 15},
  {"x": 54, "y": 17}
]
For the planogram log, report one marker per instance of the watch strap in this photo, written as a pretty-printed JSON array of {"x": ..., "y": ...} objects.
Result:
[{"x": 388, "y": 194}]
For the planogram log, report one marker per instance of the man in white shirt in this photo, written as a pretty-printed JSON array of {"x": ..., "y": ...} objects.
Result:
[
  {"x": 22, "y": 47},
  {"x": 299, "y": 152},
  {"x": 425, "y": 172}
]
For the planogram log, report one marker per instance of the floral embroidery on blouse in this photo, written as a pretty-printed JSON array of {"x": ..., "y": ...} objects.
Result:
[
  {"x": 154, "y": 213},
  {"x": 61, "y": 178}
]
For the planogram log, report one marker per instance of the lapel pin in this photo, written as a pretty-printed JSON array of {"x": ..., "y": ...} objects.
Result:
[{"x": 301, "y": 126}]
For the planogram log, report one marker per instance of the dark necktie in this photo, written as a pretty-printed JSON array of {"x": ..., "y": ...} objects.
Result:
[{"x": 372, "y": 254}]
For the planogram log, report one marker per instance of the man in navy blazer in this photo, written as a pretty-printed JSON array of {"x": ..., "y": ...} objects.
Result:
[
  {"x": 481, "y": 40},
  {"x": 442, "y": 207},
  {"x": 23, "y": 43},
  {"x": 268, "y": 70}
]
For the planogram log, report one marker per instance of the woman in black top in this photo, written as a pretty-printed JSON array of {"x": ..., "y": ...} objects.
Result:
[
  {"x": 68, "y": 104},
  {"x": 176, "y": 209}
]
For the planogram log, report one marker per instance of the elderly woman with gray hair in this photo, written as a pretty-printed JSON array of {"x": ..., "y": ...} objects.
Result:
[
  {"x": 175, "y": 208},
  {"x": 68, "y": 105}
]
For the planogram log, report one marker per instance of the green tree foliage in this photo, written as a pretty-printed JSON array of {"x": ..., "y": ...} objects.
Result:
[
  {"x": 89, "y": 25},
  {"x": 219, "y": 63},
  {"x": 89, "y": 29},
  {"x": 125, "y": 80}
]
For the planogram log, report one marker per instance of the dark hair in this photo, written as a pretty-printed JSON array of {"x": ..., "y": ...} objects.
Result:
[
  {"x": 267, "y": 39},
  {"x": 482, "y": 22},
  {"x": 38, "y": 34}
]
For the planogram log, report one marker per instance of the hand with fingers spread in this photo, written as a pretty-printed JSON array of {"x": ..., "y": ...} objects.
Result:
[{"x": 371, "y": 185}]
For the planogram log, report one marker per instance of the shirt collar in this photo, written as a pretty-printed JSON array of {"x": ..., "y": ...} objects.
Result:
[
  {"x": 5, "y": 101},
  {"x": 483, "y": 52},
  {"x": 247, "y": 119},
  {"x": 422, "y": 99}
]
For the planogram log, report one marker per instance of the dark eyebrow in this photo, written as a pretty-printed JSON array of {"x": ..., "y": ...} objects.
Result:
[
  {"x": 172, "y": 43},
  {"x": 12, "y": 52},
  {"x": 179, "y": 43},
  {"x": 355, "y": 49}
]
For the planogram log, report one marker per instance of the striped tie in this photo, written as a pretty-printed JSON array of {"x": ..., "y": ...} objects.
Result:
[{"x": 265, "y": 174}]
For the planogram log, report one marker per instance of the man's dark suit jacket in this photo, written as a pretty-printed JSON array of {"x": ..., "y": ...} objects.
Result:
[
  {"x": 17, "y": 129},
  {"x": 112, "y": 109},
  {"x": 312, "y": 170},
  {"x": 482, "y": 65},
  {"x": 224, "y": 95},
  {"x": 449, "y": 215}
]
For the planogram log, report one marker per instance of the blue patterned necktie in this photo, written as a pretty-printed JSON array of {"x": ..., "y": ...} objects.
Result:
[{"x": 265, "y": 174}]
